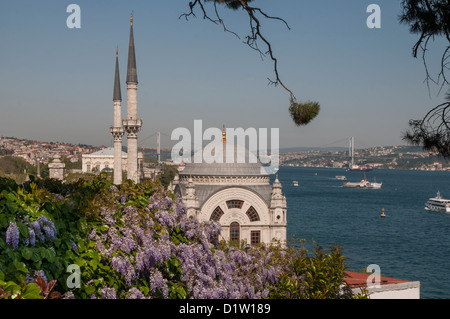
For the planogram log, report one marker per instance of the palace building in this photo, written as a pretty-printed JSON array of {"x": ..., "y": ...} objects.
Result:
[{"x": 105, "y": 159}]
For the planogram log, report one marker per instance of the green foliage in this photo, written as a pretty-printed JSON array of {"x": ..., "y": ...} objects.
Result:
[
  {"x": 27, "y": 204},
  {"x": 168, "y": 173},
  {"x": 320, "y": 276},
  {"x": 85, "y": 213},
  {"x": 13, "y": 165},
  {"x": 303, "y": 113}
]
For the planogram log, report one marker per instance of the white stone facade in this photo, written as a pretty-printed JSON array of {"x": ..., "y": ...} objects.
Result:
[
  {"x": 57, "y": 168},
  {"x": 238, "y": 196},
  {"x": 98, "y": 161}
]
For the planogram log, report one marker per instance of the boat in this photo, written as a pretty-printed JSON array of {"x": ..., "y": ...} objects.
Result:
[
  {"x": 363, "y": 168},
  {"x": 341, "y": 177},
  {"x": 364, "y": 183},
  {"x": 294, "y": 183},
  {"x": 438, "y": 204}
]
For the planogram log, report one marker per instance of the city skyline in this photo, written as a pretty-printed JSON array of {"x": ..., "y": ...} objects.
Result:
[{"x": 57, "y": 83}]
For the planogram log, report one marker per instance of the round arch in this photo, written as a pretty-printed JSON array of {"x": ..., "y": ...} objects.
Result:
[{"x": 239, "y": 215}]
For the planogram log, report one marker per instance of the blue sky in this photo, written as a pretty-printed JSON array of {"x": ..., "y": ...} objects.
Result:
[{"x": 56, "y": 83}]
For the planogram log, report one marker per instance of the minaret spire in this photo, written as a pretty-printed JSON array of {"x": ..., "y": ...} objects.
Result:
[
  {"x": 117, "y": 92},
  {"x": 117, "y": 130},
  {"x": 132, "y": 124},
  {"x": 131, "y": 70}
]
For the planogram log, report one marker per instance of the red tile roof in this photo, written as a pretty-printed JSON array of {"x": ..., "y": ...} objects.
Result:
[{"x": 356, "y": 279}]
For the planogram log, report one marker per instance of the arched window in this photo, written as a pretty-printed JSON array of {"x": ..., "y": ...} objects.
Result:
[
  {"x": 216, "y": 214},
  {"x": 235, "y": 203},
  {"x": 234, "y": 231},
  {"x": 252, "y": 214}
]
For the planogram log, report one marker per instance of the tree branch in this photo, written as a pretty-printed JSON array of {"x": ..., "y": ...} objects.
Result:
[{"x": 255, "y": 33}]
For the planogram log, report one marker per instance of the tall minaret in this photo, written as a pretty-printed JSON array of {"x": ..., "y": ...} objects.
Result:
[
  {"x": 132, "y": 124},
  {"x": 117, "y": 130}
]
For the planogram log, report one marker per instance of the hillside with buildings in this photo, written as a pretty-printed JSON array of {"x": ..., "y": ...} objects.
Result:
[{"x": 382, "y": 157}]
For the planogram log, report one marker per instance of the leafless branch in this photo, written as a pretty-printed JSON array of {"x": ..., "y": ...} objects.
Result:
[{"x": 255, "y": 35}]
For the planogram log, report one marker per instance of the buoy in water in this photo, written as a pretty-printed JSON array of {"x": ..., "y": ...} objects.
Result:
[{"x": 382, "y": 214}]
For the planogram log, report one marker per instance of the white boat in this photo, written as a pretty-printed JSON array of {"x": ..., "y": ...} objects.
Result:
[
  {"x": 438, "y": 204},
  {"x": 341, "y": 177},
  {"x": 364, "y": 183},
  {"x": 294, "y": 183}
]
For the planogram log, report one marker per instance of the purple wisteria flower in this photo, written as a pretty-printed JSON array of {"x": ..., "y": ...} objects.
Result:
[
  {"x": 36, "y": 226},
  {"x": 108, "y": 293},
  {"x": 74, "y": 246},
  {"x": 135, "y": 293},
  {"x": 32, "y": 237},
  {"x": 138, "y": 241},
  {"x": 12, "y": 236},
  {"x": 48, "y": 227},
  {"x": 35, "y": 274}
]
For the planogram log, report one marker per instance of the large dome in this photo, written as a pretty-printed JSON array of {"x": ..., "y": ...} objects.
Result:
[{"x": 241, "y": 161}]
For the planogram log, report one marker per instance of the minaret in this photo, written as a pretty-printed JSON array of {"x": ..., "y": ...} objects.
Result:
[
  {"x": 190, "y": 200},
  {"x": 117, "y": 130},
  {"x": 132, "y": 124},
  {"x": 278, "y": 209}
]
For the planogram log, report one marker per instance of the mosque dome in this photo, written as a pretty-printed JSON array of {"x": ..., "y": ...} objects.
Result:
[{"x": 231, "y": 160}]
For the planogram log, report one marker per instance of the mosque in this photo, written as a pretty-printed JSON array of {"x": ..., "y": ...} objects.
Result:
[{"x": 237, "y": 195}]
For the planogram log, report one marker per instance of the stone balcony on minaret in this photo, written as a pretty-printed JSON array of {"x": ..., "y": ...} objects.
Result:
[
  {"x": 132, "y": 127},
  {"x": 117, "y": 133}
]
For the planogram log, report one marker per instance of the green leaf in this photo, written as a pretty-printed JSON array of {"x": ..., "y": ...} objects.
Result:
[
  {"x": 82, "y": 225},
  {"x": 4, "y": 220},
  {"x": 27, "y": 253},
  {"x": 48, "y": 254},
  {"x": 36, "y": 256},
  {"x": 12, "y": 288},
  {"x": 90, "y": 290},
  {"x": 32, "y": 291},
  {"x": 20, "y": 266},
  {"x": 99, "y": 281},
  {"x": 23, "y": 229}
]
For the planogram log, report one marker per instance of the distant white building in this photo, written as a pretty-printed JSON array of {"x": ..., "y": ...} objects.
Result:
[
  {"x": 57, "y": 168},
  {"x": 98, "y": 161}
]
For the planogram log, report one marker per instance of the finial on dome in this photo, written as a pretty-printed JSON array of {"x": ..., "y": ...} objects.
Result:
[{"x": 224, "y": 135}]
